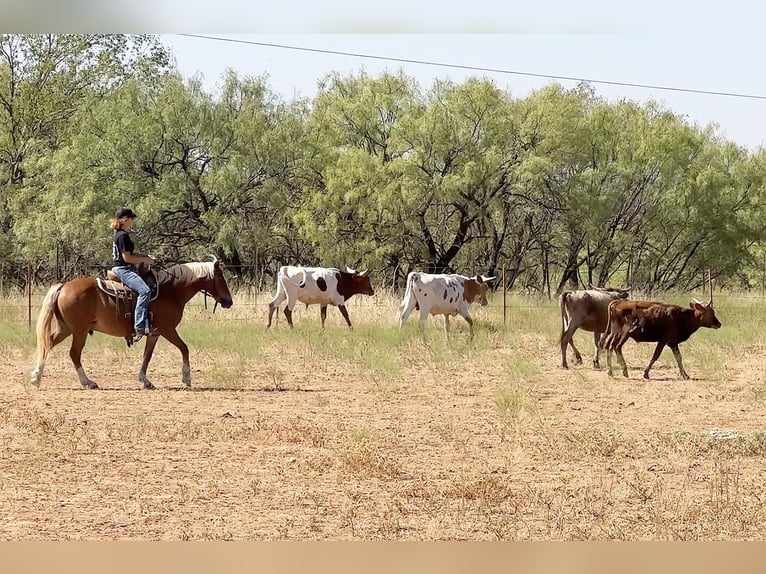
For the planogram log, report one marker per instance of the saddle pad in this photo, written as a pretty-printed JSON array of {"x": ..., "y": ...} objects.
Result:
[{"x": 111, "y": 287}]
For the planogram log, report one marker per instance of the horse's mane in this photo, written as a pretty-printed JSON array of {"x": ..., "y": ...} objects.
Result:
[{"x": 186, "y": 273}]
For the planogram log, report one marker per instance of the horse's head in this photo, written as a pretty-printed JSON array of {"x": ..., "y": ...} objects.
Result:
[{"x": 217, "y": 286}]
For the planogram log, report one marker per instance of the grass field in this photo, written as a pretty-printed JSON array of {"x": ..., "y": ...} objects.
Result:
[{"x": 382, "y": 433}]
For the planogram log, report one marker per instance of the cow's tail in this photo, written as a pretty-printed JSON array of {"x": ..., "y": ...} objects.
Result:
[
  {"x": 563, "y": 306},
  {"x": 408, "y": 291},
  {"x": 45, "y": 331},
  {"x": 607, "y": 337},
  {"x": 285, "y": 277}
]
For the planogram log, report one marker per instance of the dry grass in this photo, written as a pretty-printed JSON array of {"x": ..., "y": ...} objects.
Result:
[{"x": 378, "y": 433}]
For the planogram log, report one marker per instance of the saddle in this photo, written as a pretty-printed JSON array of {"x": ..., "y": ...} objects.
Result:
[
  {"x": 125, "y": 298},
  {"x": 114, "y": 288}
]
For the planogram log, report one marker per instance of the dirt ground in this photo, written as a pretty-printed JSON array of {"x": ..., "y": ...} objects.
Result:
[{"x": 336, "y": 452}]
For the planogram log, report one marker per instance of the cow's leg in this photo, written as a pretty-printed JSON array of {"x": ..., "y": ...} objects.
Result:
[
  {"x": 677, "y": 355},
  {"x": 618, "y": 349},
  {"x": 323, "y": 314},
  {"x": 469, "y": 320},
  {"x": 289, "y": 311},
  {"x": 407, "y": 307},
  {"x": 176, "y": 340},
  {"x": 655, "y": 356},
  {"x": 621, "y": 359},
  {"x": 609, "y": 362},
  {"x": 423, "y": 317},
  {"x": 75, "y": 353},
  {"x": 151, "y": 342},
  {"x": 344, "y": 312},
  {"x": 446, "y": 325},
  {"x": 275, "y": 302},
  {"x": 596, "y": 349},
  {"x": 567, "y": 338}
]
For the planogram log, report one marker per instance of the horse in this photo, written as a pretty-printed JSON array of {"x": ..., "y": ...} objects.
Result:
[{"x": 81, "y": 306}]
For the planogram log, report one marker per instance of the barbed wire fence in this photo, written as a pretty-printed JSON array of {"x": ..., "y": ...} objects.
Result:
[{"x": 30, "y": 297}]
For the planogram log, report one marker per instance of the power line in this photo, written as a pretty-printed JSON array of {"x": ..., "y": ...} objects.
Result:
[{"x": 477, "y": 68}]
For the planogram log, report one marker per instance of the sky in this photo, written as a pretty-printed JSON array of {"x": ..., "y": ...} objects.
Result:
[
  {"x": 706, "y": 45},
  {"x": 682, "y": 60}
]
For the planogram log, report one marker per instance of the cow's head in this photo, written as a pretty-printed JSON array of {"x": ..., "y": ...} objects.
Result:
[
  {"x": 708, "y": 318},
  {"x": 360, "y": 281},
  {"x": 475, "y": 290}
]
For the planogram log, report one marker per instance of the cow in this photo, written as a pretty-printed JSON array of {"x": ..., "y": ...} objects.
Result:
[
  {"x": 318, "y": 286},
  {"x": 443, "y": 294},
  {"x": 655, "y": 322},
  {"x": 585, "y": 309}
]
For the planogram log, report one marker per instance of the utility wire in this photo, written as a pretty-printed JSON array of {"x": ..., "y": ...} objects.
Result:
[{"x": 477, "y": 68}]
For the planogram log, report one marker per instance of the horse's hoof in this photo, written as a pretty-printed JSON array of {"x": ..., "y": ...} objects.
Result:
[
  {"x": 91, "y": 386},
  {"x": 148, "y": 386}
]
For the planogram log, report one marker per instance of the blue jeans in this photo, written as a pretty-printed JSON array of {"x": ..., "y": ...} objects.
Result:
[{"x": 131, "y": 279}]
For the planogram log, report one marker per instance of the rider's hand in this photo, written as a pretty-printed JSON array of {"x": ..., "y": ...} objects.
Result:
[{"x": 150, "y": 260}]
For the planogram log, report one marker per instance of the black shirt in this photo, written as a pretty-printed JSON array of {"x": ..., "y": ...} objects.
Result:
[{"x": 122, "y": 243}]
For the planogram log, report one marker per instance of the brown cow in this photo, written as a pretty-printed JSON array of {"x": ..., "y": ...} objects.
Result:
[
  {"x": 586, "y": 309},
  {"x": 655, "y": 322}
]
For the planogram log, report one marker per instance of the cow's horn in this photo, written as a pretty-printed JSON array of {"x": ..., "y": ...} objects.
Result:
[
  {"x": 363, "y": 273},
  {"x": 349, "y": 270},
  {"x": 486, "y": 279},
  {"x": 710, "y": 282}
]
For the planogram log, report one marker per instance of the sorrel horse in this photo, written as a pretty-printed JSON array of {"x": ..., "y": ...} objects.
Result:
[{"x": 79, "y": 307}]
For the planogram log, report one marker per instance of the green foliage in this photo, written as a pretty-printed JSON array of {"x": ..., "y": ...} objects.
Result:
[{"x": 560, "y": 187}]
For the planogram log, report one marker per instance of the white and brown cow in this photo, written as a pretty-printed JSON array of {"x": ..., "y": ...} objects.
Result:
[
  {"x": 442, "y": 294},
  {"x": 318, "y": 286}
]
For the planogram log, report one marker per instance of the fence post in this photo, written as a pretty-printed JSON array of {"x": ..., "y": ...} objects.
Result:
[
  {"x": 29, "y": 295},
  {"x": 504, "y": 312}
]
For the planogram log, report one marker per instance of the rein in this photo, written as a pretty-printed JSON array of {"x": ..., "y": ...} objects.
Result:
[{"x": 204, "y": 292}]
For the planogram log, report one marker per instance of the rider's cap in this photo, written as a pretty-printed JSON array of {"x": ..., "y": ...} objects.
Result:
[{"x": 125, "y": 212}]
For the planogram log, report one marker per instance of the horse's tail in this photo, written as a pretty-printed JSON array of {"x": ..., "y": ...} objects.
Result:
[{"x": 45, "y": 331}]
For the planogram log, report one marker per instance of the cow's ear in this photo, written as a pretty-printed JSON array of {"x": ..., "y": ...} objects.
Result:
[
  {"x": 699, "y": 306},
  {"x": 479, "y": 279}
]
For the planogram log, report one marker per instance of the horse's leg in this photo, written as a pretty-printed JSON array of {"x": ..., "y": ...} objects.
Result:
[
  {"x": 151, "y": 342},
  {"x": 173, "y": 337},
  {"x": 75, "y": 353},
  {"x": 37, "y": 372}
]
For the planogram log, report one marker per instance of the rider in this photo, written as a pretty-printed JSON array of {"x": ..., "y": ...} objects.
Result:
[{"x": 124, "y": 260}]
